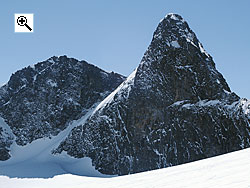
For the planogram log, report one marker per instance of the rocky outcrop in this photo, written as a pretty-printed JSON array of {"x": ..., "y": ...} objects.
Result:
[
  {"x": 174, "y": 108},
  {"x": 42, "y": 100},
  {"x": 5, "y": 142}
]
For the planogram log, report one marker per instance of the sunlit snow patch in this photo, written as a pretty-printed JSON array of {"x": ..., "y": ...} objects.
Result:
[{"x": 175, "y": 44}]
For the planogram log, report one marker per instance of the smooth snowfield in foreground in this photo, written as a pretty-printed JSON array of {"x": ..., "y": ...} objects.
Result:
[{"x": 230, "y": 170}]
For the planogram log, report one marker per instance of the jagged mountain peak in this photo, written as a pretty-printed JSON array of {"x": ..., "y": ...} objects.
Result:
[
  {"x": 175, "y": 23},
  {"x": 173, "y": 27},
  {"x": 174, "y": 32},
  {"x": 174, "y": 16},
  {"x": 62, "y": 62},
  {"x": 174, "y": 108},
  {"x": 176, "y": 57},
  {"x": 56, "y": 67},
  {"x": 49, "y": 95}
]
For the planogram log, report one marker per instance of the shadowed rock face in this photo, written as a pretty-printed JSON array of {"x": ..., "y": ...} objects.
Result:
[
  {"x": 174, "y": 108},
  {"x": 41, "y": 101},
  {"x": 5, "y": 142}
]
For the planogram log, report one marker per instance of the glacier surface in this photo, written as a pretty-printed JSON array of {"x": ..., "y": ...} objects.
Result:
[{"x": 229, "y": 170}]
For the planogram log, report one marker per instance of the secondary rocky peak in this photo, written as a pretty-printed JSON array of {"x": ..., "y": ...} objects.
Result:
[{"x": 41, "y": 100}]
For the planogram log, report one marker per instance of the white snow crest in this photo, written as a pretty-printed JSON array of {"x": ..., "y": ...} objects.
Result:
[
  {"x": 245, "y": 104},
  {"x": 200, "y": 103},
  {"x": 173, "y": 17},
  {"x": 203, "y": 50},
  {"x": 177, "y": 103},
  {"x": 124, "y": 86}
]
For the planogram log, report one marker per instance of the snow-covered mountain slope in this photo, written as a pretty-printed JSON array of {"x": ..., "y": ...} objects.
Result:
[
  {"x": 35, "y": 160},
  {"x": 173, "y": 109},
  {"x": 41, "y": 101},
  {"x": 226, "y": 171}
]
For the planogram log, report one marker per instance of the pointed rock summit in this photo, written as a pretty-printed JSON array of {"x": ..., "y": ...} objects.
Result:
[
  {"x": 179, "y": 59},
  {"x": 174, "y": 108}
]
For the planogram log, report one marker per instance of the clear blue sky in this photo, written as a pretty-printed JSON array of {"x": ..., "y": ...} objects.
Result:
[{"x": 114, "y": 34}]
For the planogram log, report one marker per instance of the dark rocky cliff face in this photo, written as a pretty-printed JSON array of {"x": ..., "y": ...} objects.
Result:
[
  {"x": 174, "y": 108},
  {"x": 6, "y": 140},
  {"x": 41, "y": 101}
]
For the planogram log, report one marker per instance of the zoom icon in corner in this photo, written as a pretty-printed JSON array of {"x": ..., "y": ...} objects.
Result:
[{"x": 24, "y": 23}]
